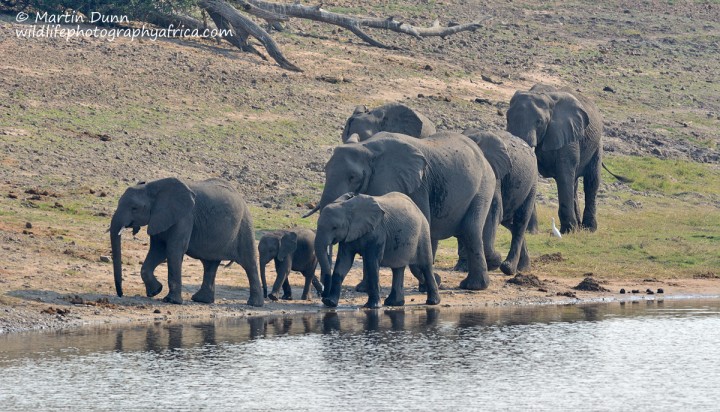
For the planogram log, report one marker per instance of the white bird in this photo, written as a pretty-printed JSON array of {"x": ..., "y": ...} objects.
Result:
[{"x": 555, "y": 230}]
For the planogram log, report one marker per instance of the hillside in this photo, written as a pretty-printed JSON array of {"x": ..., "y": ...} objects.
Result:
[{"x": 82, "y": 119}]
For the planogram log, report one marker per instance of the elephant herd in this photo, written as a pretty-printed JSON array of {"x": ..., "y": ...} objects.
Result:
[{"x": 393, "y": 190}]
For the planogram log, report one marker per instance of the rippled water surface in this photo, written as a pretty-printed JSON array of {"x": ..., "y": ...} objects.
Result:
[{"x": 634, "y": 356}]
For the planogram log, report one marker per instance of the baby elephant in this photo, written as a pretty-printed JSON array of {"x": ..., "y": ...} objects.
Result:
[
  {"x": 387, "y": 231},
  {"x": 292, "y": 249}
]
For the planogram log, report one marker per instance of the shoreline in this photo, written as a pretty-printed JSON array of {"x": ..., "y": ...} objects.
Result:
[{"x": 21, "y": 315}]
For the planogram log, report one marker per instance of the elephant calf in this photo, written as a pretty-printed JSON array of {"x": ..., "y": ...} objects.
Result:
[
  {"x": 292, "y": 249},
  {"x": 389, "y": 231},
  {"x": 206, "y": 220}
]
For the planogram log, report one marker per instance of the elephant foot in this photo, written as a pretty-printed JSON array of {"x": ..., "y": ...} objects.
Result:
[
  {"x": 508, "y": 269},
  {"x": 256, "y": 300},
  {"x": 422, "y": 288},
  {"x": 494, "y": 261},
  {"x": 433, "y": 300},
  {"x": 330, "y": 302},
  {"x": 203, "y": 296},
  {"x": 272, "y": 297},
  {"x": 474, "y": 283},
  {"x": 393, "y": 300},
  {"x": 523, "y": 265},
  {"x": 153, "y": 288},
  {"x": 174, "y": 299},
  {"x": 372, "y": 304},
  {"x": 461, "y": 265},
  {"x": 286, "y": 297},
  {"x": 590, "y": 224},
  {"x": 305, "y": 296},
  {"x": 361, "y": 287}
]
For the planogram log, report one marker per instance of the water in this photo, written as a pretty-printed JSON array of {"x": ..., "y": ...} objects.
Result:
[{"x": 655, "y": 355}]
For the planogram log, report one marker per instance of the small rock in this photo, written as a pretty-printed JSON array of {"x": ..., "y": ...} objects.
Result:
[
  {"x": 12, "y": 196},
  {"x": 157, "y": 311},
  {"x": 483, "y": 101},
  {"x": 635, "y": 291},
  {"x": 568, "y": 294},
  {"x": 649, "y": 292},
  {"x": 660, "y": 290},
  {"x": 420, "y": 95},
  {"x": 105, "y": 259},
  {"x": 28, "y": 225},
  {"x": 428, "y": 67},
  {"x": 622, "y": 291},
  {"x": 608, "y": 89}
]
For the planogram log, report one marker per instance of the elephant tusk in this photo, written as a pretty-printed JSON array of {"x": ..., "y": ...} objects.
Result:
[{"x": 120, "y": 233}]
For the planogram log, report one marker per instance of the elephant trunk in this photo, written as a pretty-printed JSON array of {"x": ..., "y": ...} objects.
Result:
[
  {"x": 116, "y": 225},
  {"x": 328, "y": 197},
  {"x": 323, "y": 254}
]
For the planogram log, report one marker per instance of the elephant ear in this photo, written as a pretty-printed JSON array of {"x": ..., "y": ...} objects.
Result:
[
  {"x": 494, "y": 149},
  {"x": 288, "y": 244},
  {"x": 365, "y": 214},
  {"x": 172, "y": 199},
  {"x": 567, "y": 124},
  {"x": 399, "y": 118},
  {"x": 398, "y": 165}
]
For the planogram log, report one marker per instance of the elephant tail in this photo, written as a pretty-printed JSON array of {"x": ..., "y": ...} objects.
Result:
[{"x": 622, "y": 179}]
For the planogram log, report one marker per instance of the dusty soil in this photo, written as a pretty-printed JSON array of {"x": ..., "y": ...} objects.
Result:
[{"x": 82, "y": 119}]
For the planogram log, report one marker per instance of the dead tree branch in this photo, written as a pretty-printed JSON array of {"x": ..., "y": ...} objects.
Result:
[{"x": 242, "y": 25}]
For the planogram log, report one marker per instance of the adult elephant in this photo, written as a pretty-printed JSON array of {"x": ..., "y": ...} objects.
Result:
[
  {"x": 393, "y": 118},
  {"x": 514, "y": 164},
  {"x": 565, "y": 129},
  {"x": 206, "y": 220},
  {"x": 446, "y": 175}
]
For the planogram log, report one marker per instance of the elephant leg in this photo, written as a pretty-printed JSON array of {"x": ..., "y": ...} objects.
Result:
[
  {"x": 249, "y": 264},
  {"x": 362, "y": 286},
  {"x": 371, "y": 268},
  {"x": 306, "y": 287},
  {"x": 156, "y": 255},
  {"x": 433, "y": 294},
  {"x": 591, "y": 184},
  {"x": 524, "y": 262},
  {"x": 492, "y": 257},
  {"x": 287, "y": 289},
  {"x": 533, "y": 223},
  {"x": 461, "y": 265},
  {"x": 521, "y": 218},
  {"x": 397, "y": 293},
  {"x": 281, "y": 274},
  {"x": 175, "y": 259},
  {"x": 477, "y": 278},
  {"x": 417, "y": 271},
  {"x": 566, "y": 197},
  {"x": 206, "y": 294},
  {"x": 343, "y": 264}
]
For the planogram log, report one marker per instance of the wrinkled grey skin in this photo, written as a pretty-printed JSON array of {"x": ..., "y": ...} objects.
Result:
[
  {"x": 393, "y": 118},
  {"x": 446, "y": 175},
  {"x": 388, "y": 231},
  {"x": 291, "y": 249},
  {"x": 565, "y": 129},
  {"x": 514, "y": 164},
  {"x": 206, "y": 220}
]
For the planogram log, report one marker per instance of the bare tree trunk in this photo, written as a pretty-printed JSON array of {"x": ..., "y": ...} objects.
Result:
[
  {"x": 242, "y": 25},
  {"x": 355, "y": 24}
]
